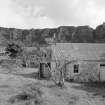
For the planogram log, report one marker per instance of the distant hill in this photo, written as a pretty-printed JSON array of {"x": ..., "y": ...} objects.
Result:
[{"x": 65, "y": 34}]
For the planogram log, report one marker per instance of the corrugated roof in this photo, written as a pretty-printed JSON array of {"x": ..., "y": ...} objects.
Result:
[{"x": 78, "y": 51}]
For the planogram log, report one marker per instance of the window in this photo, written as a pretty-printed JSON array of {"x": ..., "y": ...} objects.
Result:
[
  {"x": 76, "y": 68},
  {"x": 45, "y": 55}
]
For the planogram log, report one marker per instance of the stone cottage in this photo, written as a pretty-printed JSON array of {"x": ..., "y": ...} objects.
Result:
[{"x": 84, "y": 61}]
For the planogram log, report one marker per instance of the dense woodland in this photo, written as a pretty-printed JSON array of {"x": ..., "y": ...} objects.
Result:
[{"x": 65, "y": 34}]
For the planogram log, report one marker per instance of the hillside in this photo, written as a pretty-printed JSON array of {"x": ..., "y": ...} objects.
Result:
[
  {"x": 70, "y": 34},
  {"x": 23, "y": 88}
]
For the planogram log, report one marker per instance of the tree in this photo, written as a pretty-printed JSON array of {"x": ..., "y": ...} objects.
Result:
[
  {"x": 59, "y": 74},
  {"x": 13, "y": 50}
]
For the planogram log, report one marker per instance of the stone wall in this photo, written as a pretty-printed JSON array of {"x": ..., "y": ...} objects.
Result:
[{"x": 88, "y": 71}]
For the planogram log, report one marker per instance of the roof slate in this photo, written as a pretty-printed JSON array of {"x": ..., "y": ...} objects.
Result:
[{"x": 78, "y": 51}]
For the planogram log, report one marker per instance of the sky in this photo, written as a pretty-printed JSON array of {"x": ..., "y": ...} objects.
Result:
[{"x": 51, "y": 13}]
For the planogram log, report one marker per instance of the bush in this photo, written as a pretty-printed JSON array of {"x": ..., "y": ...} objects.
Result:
[{"x": 13, "y": 50}]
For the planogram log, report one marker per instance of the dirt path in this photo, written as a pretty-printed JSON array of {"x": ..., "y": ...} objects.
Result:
[{"x": 72, "y": 94}]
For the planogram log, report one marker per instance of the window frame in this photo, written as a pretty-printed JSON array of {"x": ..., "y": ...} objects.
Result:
[{"x": 76, "y": 68}]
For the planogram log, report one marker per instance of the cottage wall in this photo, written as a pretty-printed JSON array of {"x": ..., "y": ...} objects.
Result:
[{"x": 88, "y": 71}]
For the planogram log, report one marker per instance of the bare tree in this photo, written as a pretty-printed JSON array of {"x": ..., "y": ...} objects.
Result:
[{"x": 60, "y": 72}]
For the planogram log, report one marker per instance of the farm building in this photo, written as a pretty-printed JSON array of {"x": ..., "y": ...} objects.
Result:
[
  {"x": 40, "y": 58},
  {"x": 29, "y": 59},
  {"x": 84, "y": 61}
]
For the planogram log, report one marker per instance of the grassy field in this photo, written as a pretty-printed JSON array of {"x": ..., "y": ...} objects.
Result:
[{"x": 23, "y": 88}]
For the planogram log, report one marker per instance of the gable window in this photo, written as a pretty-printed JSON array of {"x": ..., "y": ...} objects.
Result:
[{"x": 76, "y": 68}]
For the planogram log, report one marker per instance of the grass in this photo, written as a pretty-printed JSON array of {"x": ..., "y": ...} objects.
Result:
[
  {"x": 73, "y": 100},
  {"x": 95, "y": 88},
  {"x": 30, "y": 95},
  {"x": 23, "y": 88}
]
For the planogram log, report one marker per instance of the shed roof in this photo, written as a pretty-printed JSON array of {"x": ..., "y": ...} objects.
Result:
[{"x": 78, "y": 51}]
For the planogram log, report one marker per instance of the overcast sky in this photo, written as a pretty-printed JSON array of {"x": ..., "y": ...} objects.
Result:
[{"x": 51, "y": 13}]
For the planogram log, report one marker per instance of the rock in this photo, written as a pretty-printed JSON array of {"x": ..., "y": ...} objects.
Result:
[
  {"x": 66, "y": 34},
  {"x": 83, "y": 34},
  {"x": 99, "y": 33}
]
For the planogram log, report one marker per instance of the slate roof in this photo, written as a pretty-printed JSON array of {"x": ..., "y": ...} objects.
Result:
[{"x": 78, "y": 51}]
